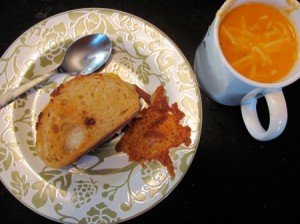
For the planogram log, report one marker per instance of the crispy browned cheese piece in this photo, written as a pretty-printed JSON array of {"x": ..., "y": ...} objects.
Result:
[{"x": 151, "y": 136}]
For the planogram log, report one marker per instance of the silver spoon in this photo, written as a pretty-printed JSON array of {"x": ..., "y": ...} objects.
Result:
[{"x": 83, "y": 56}]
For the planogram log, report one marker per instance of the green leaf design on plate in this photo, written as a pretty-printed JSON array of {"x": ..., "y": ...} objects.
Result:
[
  {"x": 25, "y": 118},
  {"x": 14, "y": 58},
  {"x": 91, "y": 22},
  {"x": 46, "y": 87},
  {"x": 6, "y": 158},
  {"x": 29, "y": 73},
  {"x": 8, "y": 154},
  {"x": 156, "y": 178},
  {"x": 19, "y": 185},
  {"x": 45, "y": 192},
  {"x": 187, "y": 80},
  {"x": 8, "y": 148},
  {"x": 184, "y": 161},
  {"x": 100, "y": 214},
  {"x": 111, "y": 190},
  {"x": 53, "y": 43},
  {"x": 13, "y": 63},
  {"x": 58, "y": 177},
  {"x": 55, "y": 181},
  {"x": 75, "y": 15},
  {"x": 143, "y": 72},
  {"x": 84, "y": 192},
  {"x": 127, "y": 62},
  {"x": 143, "y": 69},
  {"x": 20, "y": 102},
  {"x": 31, "y": 143}
]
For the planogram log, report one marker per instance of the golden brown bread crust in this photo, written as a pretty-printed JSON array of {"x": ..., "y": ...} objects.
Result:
[{"x": 81, "y": 114}]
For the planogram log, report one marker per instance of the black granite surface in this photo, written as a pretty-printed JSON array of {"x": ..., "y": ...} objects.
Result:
[{"x": 233, "y": 177}]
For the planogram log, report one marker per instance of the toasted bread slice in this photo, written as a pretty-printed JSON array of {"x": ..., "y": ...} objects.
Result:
[{"x": 81, "y": 114}]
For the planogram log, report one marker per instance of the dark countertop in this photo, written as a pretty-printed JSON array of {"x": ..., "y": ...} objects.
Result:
[{"x": 233, "y": 178}]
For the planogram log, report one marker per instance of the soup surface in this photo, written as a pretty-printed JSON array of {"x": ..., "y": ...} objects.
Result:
[{"x": 259, "y": 42}]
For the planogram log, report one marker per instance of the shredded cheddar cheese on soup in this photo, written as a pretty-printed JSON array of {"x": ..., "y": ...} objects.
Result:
[
  {"x": 155, "y": 132},
  {"x": 259, "y": 42}
]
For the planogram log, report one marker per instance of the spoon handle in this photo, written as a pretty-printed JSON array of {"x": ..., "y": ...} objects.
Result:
[{"x": 12, "y": 94}]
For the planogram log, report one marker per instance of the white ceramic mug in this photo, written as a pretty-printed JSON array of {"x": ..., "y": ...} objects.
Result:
[{"x": 226, "y": 86}]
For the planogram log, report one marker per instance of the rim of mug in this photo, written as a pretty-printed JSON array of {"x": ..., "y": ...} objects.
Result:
[{"x": 278, "y": 84}]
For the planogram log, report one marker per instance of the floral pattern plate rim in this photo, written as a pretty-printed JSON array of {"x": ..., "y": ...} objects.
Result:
[{"x": 102, "y": 186}]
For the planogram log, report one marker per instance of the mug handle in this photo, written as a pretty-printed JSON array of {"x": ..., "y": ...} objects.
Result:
[{"x": 277, "y": 113}]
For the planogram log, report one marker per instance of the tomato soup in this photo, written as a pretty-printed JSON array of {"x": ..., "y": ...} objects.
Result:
[{"x": 259, "y": 42}]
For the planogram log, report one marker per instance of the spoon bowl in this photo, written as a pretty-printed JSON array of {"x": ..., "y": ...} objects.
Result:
[{"x": 84, "y": 56}]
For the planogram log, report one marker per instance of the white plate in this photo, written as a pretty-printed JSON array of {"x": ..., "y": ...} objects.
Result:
[{"x": 103, "y": 186}]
